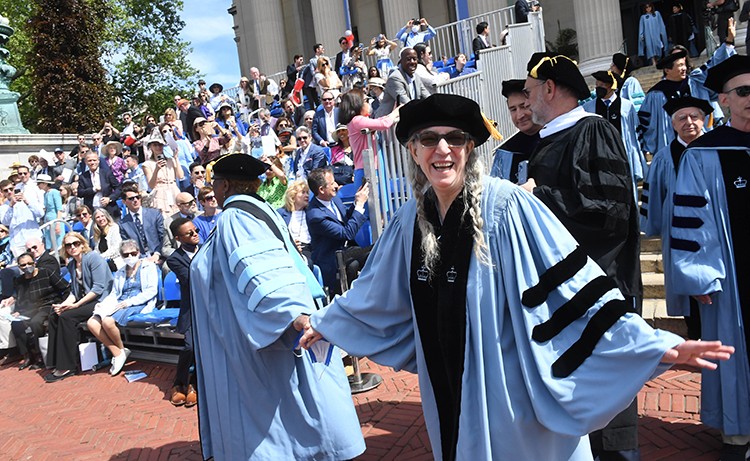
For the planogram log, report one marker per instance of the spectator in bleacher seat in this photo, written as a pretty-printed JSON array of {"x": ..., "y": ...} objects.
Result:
[
  {"x": 325, "y": 120},
  {"x": 64, "y": 167},
  {"x": 259, "y": 89},
  {"x": 293, "y": 72},
  {"x": 381, "y": 48},
  {"x": 36, "y": 289},
  {"x": 285, "y": 134},
  {"x": 97, "y": 143},
  {"x": 376, "y": 90},
  {"x": 5, "y": 255},
  {"x": 84, "y": 224},
  {"x": 326, "y": 78},
  {"x": 112, "y": 153},
  {"x": 460, "y": 69},
  {"x": 71, "y": 201},
  {"x": 244, "y": 330},
  {"x": 135, "y": 172},
  {"x": 512, "y": 157},
  {"x": 144, "y": 225},
  {"x": 427, "y": 73},
  {"x": 308, "y": 156},
  {"x": 197, "y": 180},
  {"x": 191, "y": 112},
  {"x": 33, "y": 162},
  {"x": 310, "y": 88},
  {"x": 272, "y": 189},
  {"x": 355, "y": 113},
  {"x": 225, "y": 118},
  {"x": 188, "y": 210},
  {"x": 162, "y": 171},
  {"x": 482, "y": 40},
  {"x": 332, "y": 226},
  {"x": 81, "y": 139},
  {"x": 341, "y": 149},
  {"x": 20, "y": 215},
  {"x": 218, "y": 97},
  {"x": 28, "y": 186},
  {"x": 206, "y": 221},
  {"x": 134, "y": 291},
  {"x": 209, "y": 139},
  {"x": 354, "y": 69},
  {"x": 44, "y": 166},
  {"x": 91, "y": 282},
  {"x": 403, "y": 85},
  {"x": 296, "y": 200},
  {"x": 415, "y": 31},
  {"x": 343, "y": 55},
  {"x": 183, "y": 390},
  {"x": 53, "y": 209},
  {"x": 107, "y": 238},
  {"x": 373, "y": 72},
  {"x": 307, "y": 119},
  {"x": 293, "y": 112},
  {"x": 98, "y": 186}
]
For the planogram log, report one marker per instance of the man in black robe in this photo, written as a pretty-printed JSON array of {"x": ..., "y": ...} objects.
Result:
[{"x": 580, "y": 171}]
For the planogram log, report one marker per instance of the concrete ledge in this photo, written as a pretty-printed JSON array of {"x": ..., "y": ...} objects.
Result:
[{"x": 18, "y": 147}]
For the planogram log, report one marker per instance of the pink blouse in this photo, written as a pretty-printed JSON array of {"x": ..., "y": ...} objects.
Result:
[{"x": 358, "y": 141}]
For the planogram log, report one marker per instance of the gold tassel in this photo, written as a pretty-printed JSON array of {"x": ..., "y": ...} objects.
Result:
[{"x": 490, "y": 125}]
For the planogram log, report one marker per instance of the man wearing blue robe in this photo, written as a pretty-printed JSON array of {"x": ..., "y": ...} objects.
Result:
[
  {"x": 259, "y": 399},
  {"x": 622, "y": 115},
  {"x": 710, "y": 250},
  {"x": 687, "y": 115},
  {"x": 512, "y": 157},
  {"x": 522, "y": 345},
  {"x": 655, "y": 129}
]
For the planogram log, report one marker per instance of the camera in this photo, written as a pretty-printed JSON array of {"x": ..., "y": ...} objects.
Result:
[
  {"x": 160, "y": 158},
  {"x": 18, "y": 191}
]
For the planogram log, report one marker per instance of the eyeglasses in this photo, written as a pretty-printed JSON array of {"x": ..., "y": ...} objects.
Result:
[
  {"x": 527, "y": 91},
  {"x": 326, "y": 99},
  {"x": 75, "y": 244},
  {"x": 209, "y": 197},
  {"x": 81, "y": 215},
  {"x": 190, "y": 233},
  {"x": 742, "y": 91},
  {"x": 191, "y": 203},
  {"x": 430, "y": 139},
  {"x": 133, "y": 198},
  {"x": 131, "y": 253}
]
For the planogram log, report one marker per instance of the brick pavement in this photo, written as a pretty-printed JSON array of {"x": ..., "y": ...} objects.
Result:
[{"x": 96, "y": 417}]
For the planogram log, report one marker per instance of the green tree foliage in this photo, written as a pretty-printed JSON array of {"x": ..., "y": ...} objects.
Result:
[
  {"x": 138, "y": 43},
  {"x": 70, "y": 87}
]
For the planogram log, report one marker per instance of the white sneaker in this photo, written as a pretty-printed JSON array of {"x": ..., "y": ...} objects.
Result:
[{"x": 117, "y": 363}]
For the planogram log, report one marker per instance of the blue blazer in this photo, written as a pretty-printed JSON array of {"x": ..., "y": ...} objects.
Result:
[
  {"x": 316, "y": 158},
  {"x": 286, "y": 214},
  {"x": 319, "y": 124},
  {"x": 153, "y": 227},
  {"x": 179, "y": 263},
  {"x": 328, "y": 234}
]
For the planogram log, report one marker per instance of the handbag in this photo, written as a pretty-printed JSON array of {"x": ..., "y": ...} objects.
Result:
[{"x": 343, "y": 173}]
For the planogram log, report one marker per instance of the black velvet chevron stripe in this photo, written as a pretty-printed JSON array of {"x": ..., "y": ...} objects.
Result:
[
  {"x": 644, "y": 198},
  {"x": 686, "y": 222},
  {"x": 684, "y": 245},
  {"x": 611, "y": 166},
  {"x": 693, "y": 201},
  {"x": 644, "y": 212},
  {"x": 554, "y": 276},
  {"x": 645, "y": 186},
  {"x": 574, "y": 309},
  {"x": 582, "y": 349}
]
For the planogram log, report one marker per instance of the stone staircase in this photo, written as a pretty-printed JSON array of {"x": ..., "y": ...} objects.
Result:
[{"x": 652, "y": 273}]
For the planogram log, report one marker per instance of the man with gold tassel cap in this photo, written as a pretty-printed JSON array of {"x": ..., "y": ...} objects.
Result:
[
  {"x": 580, "y": 170},
  {"x": 622, "y": 115}
]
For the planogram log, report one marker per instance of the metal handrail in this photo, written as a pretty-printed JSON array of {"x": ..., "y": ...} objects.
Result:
[{"x": 55, "y": 250}]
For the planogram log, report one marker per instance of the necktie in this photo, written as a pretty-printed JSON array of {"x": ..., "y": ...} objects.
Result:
[
  {"x": 141, "y": 232},
  {"x": 335, "y": 212},
  {"x": 607, "y": 102}
]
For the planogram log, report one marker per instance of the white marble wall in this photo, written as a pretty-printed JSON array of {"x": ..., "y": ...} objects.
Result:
[
  {"x": 397, "y": 12},
  {"x": 330, "y": 24},
  {"x": 599, "y": 29}
]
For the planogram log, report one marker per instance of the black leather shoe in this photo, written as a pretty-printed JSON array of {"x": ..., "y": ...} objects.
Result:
[
  {"x": 37, "y": 366},
  {"x": 53, "y": 378},
  {"x": 25, "y": 364}
]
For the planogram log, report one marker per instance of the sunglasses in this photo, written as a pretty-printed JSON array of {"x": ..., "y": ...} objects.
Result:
[
  {"x": 133, "y": 198},
  {"x": 209, "y": 197},
  {"x": 3, "y": 231},
  {"x": 326, "y": 99},
  {"x": 75, "y": 244},
  {"x": 742, "y": 91},
  {"x": 190, "y": 233},
  {"x": 186, "y": 203},
  {"x": 81, "y": 215},
  {"x": 26, "y": 265},
  {"x": 303, "y": 138},
  {"x": 32, "y": 248},
  {"x": 131, "y": 253},
  {"x": 8, "y": 189},
  {"x": 430, "y": 139}
]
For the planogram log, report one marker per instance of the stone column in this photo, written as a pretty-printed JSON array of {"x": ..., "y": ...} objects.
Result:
[
  {"x": 477, "y": 7},
  {"x": 330, "y": 24},
  {"x": 265, "y": 19},
  {"x": 396, "y": 13},
  {"x": 599, "y": 29}
]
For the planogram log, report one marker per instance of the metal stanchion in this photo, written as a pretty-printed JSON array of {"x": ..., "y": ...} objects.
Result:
[{"x": 358, "y": 382}]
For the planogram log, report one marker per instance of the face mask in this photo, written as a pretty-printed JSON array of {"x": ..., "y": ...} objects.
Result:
[
  {"x": 130, "y": 260},
  {"x": 415, "y": 29},
  {"x": 600, "y": 92},
  {"x": 28, "y": 270}
]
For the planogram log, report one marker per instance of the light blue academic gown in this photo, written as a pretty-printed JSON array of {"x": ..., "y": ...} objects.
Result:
[
  {"x": 633, "y": 91},
  {"x": 512, "y": 406},
  {"x": 656, "y": 220},
  {"x": 258, "y": 399},
  {"x": 652, "y": 36},
  {"x": 629, "y": 134},
  {"x": 725, "y": 393},
  {"x": 698, "y": 77}
]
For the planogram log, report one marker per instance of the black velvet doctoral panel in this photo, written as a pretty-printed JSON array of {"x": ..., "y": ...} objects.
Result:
[
  {"x": 582, "y": 175},
  {"x": 440, "y": 309}
]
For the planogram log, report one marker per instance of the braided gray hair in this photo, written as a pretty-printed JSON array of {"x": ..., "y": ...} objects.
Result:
[{"x": 472, "y": 198}]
